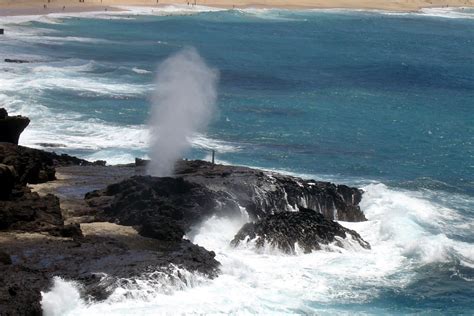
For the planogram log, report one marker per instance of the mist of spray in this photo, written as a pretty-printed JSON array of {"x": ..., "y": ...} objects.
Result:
[{"x": 183, "y": 104}]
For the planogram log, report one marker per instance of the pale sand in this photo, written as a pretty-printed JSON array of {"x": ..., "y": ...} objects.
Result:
[{"x": 35, "y": 7}]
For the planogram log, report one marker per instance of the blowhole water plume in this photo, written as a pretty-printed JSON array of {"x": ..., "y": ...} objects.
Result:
[{"x": 183, "y": 104}]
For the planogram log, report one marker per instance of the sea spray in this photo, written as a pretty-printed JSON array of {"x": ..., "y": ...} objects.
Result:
[{"x": 183, "y": 104}]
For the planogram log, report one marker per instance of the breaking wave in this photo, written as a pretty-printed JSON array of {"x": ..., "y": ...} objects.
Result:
[{"x": 404, "y": 229}]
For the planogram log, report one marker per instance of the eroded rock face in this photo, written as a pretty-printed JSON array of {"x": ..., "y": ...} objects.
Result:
[
  {"x": 11, "y": 126},
  {"x": 263, "y": 193},
  {"x": 164, "y": 208},
  {"x": 308, "y": 229}
]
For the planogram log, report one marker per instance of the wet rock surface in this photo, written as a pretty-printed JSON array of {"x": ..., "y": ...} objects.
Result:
[
  {"x": 263, "y": 192},
  {"x": 305, "y": 229},
  {"x": 99, "y": 263}
]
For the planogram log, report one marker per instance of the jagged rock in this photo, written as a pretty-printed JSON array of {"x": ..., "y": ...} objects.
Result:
[
  {"x": 32, "y": 166},
  {"x": 11, "y": 126},
  {"x": 263, "y": 193},
  {"x": 37, "y": 166},
  {"x": 20, "y": 293},
  {"x": 306, "y": 228},
  {"x": 7, "y": 181},
  {"x": 99, "y": 264},
  {"x": 30, "y": 212},
  {"x": 165, "y": 207}
]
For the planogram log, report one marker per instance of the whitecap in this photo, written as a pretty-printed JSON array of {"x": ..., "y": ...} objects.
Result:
[{"x": 140, "y": 71}]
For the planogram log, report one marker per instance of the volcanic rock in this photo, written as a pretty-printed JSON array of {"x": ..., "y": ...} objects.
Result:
[
  {"x": 11, "y": 126},
  {"x": 306, "y": 228},
  {"x": 263, "y": 192},
  {"x": 165, "y": 208},
  {"x": 37, "y": 166},
  {"x": 30, "y": 212}
]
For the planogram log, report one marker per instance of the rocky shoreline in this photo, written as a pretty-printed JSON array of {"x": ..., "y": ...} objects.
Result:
[{"x": 98, "y": 225}]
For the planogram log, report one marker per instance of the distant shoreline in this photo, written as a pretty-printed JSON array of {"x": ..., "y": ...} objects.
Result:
[{"x": 43, "y": 7}]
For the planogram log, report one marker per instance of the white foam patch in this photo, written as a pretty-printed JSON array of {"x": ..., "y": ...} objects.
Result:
[
  {"x": 140, "y": 71},
  {"x": 174, "y": 9},
  {"x": 271, "y": 14},
  {"x": 63, "y": 298},
  {"x": 416, "y": 226},
  {"x": 445, "y": 13},
  {"x": 203, "y": 142}
]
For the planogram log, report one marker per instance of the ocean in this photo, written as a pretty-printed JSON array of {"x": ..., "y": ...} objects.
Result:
[{"x": 379, "y": 100}]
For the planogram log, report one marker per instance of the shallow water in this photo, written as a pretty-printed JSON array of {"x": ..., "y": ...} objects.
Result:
[{"x": 378, "y": 100}]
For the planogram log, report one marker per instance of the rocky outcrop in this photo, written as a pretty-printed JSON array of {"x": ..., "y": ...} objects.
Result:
[
  {"x": 36, "y": 245},
  {"x": 30, "y": 212},
  {"x": 163, "y": 208},
  {"x": 32, "y": 230},
  {"x": 36, "y": 166},
  {"x": 305, "y": 229},
  {"x": 262, "y": 192},
  {"x": 154, "y": 214},
  {"x": 99, "y": 263},
  {"x": 166, "y": 208},
  {"x": 11, "y": 126}
]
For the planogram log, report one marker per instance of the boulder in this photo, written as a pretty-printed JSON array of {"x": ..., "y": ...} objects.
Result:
[
  {"x": 11, "y": 126},
  {"x": 306, "y": 229}
]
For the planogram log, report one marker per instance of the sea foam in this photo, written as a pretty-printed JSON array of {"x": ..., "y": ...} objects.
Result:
[{"x": 403, "y": 229}]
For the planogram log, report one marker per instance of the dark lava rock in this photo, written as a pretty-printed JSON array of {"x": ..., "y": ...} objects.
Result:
[
  {"x": 11, "y": 126},
  {"x": 20, "y": 290},
  {"x": 263, "y": 193},
  {"x": 165, "y": 208},
  {"x": 99, "y": 264},
  {"x": 30, "y": 212},
  {"x": 7, "y": 181},
  {"x": 307, "y": 228},
  {"x": 37, "y": 166},
  {"x": 32, "y": 166},
  {"x": 162, "y": 229}
]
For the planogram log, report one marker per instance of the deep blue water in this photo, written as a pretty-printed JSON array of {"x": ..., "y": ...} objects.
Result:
[{"x": 346, "y": 96}]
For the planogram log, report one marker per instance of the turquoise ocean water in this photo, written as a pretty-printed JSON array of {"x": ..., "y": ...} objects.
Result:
[{"x": 380, "y": 100}]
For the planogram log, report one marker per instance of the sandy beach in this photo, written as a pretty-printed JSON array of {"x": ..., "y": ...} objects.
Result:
[{"x": 36, "y": 7}]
